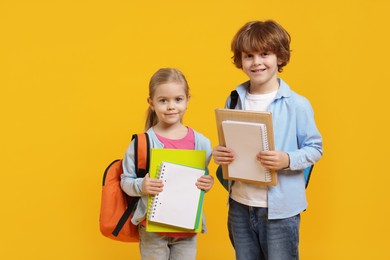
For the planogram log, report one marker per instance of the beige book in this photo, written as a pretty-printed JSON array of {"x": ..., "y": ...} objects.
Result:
[
  {"x": 246, "y": 139},
  {"x": 249, "y": 132}
]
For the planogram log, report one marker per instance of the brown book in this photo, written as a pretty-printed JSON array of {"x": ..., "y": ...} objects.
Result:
[{"x": 246, "y": 133}]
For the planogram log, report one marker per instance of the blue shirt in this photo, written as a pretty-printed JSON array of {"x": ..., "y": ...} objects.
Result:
[{"x": 295, "y": 132}]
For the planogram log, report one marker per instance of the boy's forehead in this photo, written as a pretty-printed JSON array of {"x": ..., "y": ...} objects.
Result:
[
  {"x": 256, "y": 50},
  {"x": 256, "y": 46}
]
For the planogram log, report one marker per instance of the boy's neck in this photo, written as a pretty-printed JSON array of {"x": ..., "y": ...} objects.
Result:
[{"x": 259, "y": 89}]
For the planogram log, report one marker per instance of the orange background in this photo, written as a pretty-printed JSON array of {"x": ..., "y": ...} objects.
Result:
[{"x": 74, "y": 76}]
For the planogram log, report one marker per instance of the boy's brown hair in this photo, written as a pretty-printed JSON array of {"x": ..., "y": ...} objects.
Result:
[{"x": 257, "y": 36}]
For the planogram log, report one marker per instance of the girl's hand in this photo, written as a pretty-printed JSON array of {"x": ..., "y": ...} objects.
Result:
[
  {"x": 222, "y": 155},
  {"x": 151, "y": 186},
  {"x": 205, "y": 182},
  {"x": 274, "y": 160}
]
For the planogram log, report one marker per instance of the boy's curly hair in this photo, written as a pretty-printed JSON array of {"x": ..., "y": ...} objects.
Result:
[{"x": 258, "y": 36}]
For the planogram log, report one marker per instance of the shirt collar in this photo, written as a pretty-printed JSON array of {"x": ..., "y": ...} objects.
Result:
[{"x": 283, "y": 91}]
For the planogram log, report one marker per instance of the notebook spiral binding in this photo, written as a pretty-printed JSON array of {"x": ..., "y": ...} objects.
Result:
[
  {"x": 154, "y": 202},
  {"x": 268, "y": 177}
]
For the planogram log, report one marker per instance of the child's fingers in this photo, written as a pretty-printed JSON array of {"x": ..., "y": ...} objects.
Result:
[
  {"x": 205, "y": 182},
  {"x": 151, "y": 186},
  {"x": 223, "y": 157}
]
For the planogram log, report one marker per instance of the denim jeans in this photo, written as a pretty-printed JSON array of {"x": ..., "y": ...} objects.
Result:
[
  {"x": 255, "y": 237},
  {"x": 154, "y": 246}
]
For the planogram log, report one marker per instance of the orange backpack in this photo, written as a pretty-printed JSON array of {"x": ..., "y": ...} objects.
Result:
[{"x": 116, "y": 206}]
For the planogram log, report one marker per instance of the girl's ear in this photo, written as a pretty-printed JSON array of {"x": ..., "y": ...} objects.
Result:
[
  {"x": 150, "y": 102},
  {"x": 188, "y": 99}
]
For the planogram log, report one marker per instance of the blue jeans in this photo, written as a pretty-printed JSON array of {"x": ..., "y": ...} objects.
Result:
[
  {"x": 154, "y": 246},
  {"x": 255, "y": 237}
]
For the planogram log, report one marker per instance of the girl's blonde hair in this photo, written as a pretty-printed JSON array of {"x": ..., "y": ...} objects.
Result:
[{"x": 163, "y": 76}]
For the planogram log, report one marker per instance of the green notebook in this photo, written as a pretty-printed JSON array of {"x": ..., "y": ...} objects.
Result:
[{"x": 193, "y": 162}]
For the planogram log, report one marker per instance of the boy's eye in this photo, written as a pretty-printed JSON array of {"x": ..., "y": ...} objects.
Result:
[
  {"x": 179, "y": 99},
  {"x": 163, "y": 100},
  {"x": 246, "y": 55}
]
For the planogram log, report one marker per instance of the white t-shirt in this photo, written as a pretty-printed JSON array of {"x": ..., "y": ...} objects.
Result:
[{"x": 253, "y": 194}]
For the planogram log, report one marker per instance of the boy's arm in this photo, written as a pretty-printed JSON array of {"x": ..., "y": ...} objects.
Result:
[
  {"x": 274, "y": 160},
  {"x": 308, "y": 137},
  {"x": 222, "y": 155}
]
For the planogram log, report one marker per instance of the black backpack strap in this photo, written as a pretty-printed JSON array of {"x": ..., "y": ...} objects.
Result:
[
  {"x": 125, "y": 216},
  {"x": 142, "y": 162},
  {"x": 141, "y": 154},
  {"x": 233, "y": 99},
  {"x": 233, "y": 103},
  {"x": 307, "y": 173}
]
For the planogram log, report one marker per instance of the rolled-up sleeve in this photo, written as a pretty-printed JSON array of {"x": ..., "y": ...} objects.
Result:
[{"x": 309, "y": 139}]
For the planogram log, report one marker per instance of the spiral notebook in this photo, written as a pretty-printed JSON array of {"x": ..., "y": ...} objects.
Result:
[
  {"x": 178, "y": 204},
  {"x": 246, "y": 139},
  {"x": 245, "y": 168},
  {"x": 190, "y": 158}
]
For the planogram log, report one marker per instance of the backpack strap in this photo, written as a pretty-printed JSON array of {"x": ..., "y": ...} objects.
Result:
[
  {"x": 141, "y": 162},
  {"x": 141, "y": 155},
  {"x": 307, "y": 173},
  {"x": 233, "y": 99},
  {"x": 125, "y": 216},
  {"x": 233, "y": 103}
]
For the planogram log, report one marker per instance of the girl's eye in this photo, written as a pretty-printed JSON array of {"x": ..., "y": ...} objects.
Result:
[
  {"x": 162, "y": 100},
  {"x": 179, "y": 99}
]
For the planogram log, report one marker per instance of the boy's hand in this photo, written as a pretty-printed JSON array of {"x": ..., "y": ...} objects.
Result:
[
  {"x": 151, "y": 186},
  {"x": 222, "y": 155},
  {"x": 205, "y": 182},
  {"x": 274, "y": 160}
]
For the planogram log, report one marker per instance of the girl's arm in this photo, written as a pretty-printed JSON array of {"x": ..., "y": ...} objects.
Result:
[
  {"x": 151, "y": 186},
  {"x": 130, "y": 184},
  {"x": 205, "y": 182}
]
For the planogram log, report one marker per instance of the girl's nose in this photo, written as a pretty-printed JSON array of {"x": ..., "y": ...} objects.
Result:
[{"x": 171, "y": 106}]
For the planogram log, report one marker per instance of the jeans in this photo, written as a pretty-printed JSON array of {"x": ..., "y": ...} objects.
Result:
[
  {"x": 255, "y": 237},
  {"x": 154, "y": 246}
]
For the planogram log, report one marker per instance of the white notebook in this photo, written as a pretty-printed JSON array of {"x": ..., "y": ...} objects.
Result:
[
  {"x": 246, "y": 139},
  {"x": 180, "y": 201}
]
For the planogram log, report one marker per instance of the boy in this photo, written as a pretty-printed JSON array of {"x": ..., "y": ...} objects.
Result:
[{"x": 263, "y": 221}]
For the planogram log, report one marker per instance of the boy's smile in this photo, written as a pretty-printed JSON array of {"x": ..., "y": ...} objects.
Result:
[{"x": 262, "y": 70}]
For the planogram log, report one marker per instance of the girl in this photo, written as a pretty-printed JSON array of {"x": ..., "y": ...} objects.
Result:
[{"x": 168, "y": 101}]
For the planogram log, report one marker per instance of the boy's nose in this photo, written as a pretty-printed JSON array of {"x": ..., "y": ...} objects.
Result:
[{"x": 257, "y": 60}]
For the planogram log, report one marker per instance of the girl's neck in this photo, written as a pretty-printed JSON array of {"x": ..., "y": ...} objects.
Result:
[{"x": 177, "y": 131}]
